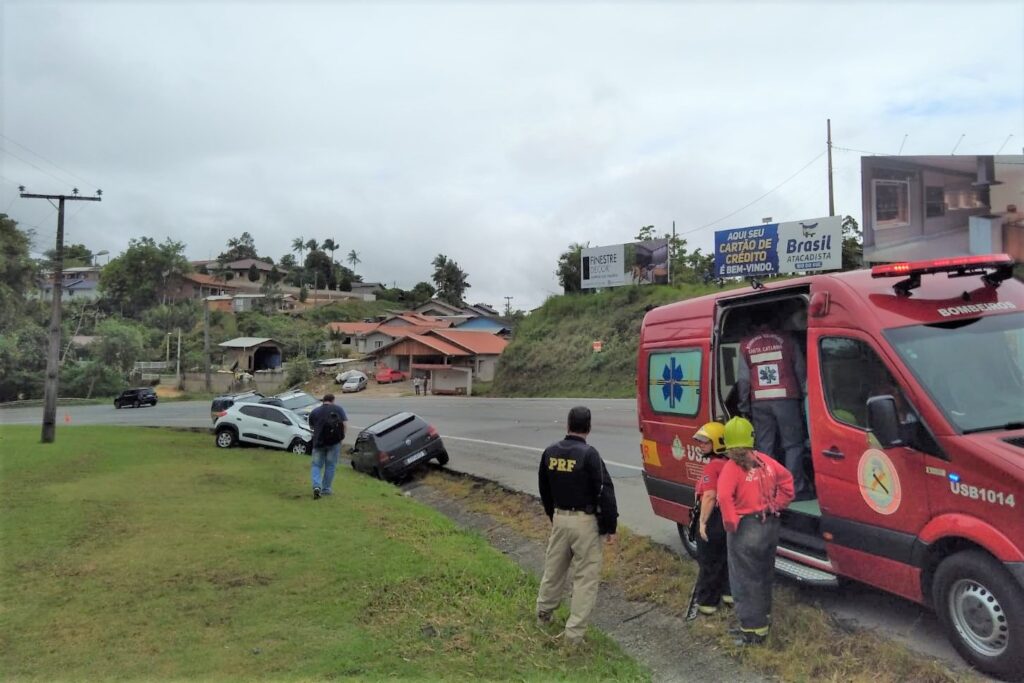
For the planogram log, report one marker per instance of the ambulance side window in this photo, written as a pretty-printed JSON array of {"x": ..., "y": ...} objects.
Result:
[
  {"x": 851, "y": 373},
  {"x": 673, "y": 381}
]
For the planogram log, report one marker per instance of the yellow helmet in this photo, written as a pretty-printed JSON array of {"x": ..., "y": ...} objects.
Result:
[
  {"x": 713, "y": 432},
  {"x": 739, "y": 433}
]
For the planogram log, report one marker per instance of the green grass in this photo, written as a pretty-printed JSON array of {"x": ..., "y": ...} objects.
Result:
[
  {"x": 148, "y": 554},
  {"x": 551, "y": 354}
]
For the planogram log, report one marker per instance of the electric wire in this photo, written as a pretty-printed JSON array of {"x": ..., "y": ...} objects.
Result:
[
  {"x": 41, "y": 157},
  {"x": 748, "y": 205}
]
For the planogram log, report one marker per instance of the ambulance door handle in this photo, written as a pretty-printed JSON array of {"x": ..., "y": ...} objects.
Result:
[{"x": 833, "y": 453}]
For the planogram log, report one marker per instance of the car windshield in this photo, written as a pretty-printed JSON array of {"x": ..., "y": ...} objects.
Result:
[
  {"x": 296, "y": 402},
  {"x": 973, "y": 369},
  {"x": 353, "y": 381}
]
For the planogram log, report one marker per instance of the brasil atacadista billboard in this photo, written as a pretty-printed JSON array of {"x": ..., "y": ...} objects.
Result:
[{"x": 806, "y": 246}]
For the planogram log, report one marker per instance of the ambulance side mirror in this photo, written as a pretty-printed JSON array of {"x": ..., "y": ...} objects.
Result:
[{"x": 883, "y": 421}]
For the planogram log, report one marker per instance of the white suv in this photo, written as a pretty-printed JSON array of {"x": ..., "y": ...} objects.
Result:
[{"x": 263, "y": 425}]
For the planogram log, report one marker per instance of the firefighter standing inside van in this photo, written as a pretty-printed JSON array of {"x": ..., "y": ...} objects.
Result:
[
  {"x": 713, "y": 579},
  {"x": 771, "y": 383},
  {"x": 579, "y": 499},
  {"x": 753, "y": 489}
]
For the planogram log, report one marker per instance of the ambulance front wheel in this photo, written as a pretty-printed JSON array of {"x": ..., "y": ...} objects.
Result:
[
  {"x": 689, "y": 544},
  {"x": 981, "y": 607}
]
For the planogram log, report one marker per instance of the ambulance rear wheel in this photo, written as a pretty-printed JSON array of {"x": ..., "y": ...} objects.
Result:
[
  {"x": 689, "y": 544},
  {"x": 981, "y": 608}
]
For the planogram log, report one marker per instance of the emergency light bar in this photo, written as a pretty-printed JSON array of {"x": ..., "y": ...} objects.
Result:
[{"x": 960, "y": 266}]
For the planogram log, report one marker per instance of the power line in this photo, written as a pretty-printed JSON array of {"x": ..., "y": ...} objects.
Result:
[
  {"x": 63, "y": 181},
  {"x": 40, "y": 156},
  {"x": 748, "y": 205}
]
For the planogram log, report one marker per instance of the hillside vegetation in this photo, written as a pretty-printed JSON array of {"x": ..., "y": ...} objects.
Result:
[{"x": 551, "y": 353}]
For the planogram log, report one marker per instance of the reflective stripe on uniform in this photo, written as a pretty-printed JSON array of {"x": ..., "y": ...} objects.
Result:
[
  {"x": 756, "y": 358},
  {"x": 771, "y": 393}
]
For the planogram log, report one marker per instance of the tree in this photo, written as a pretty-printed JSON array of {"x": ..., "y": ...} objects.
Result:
[
  {"x": 422, "y": 293},
  {"x": 254, "y": 273},
  {"x": 331, "y": 246},
  {"x": 138, "y": 278},
  {"x": 318, "y": 264},
  {"x": 272, "y": 295},
  {"x": 119, "y": 346},
  {"x": 274, "y": 276},
  {"x": 17, "y": 271},
  {"x": 241, "y": 247},
  {"x": 288, "y": 262},
  {"x": 303, "y": 294},
  {"x": 299, "y": 247},
  {"x": 569, "y": 272},
  {"x": 353, "y": 258},
  {"x": 451, "y": 280},
  {"x": 853, "y": 244},
  {"x": 312, "y": 245},
  {"x": 74, "y": 255}
]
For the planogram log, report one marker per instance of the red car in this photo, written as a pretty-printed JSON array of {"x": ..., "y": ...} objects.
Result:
[{"x": 387, "y": 375}]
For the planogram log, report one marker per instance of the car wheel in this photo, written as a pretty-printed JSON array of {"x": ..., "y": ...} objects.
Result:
[
  {"x": 981, "y": 608},
  {"x": 378, "y": 474},
  {"x": 136, "y": 404},
  {"x": 299, "y": 447},
  {"x": 226, "y": 438},
  {"x": 117, "y": 406},
  {"x": 442, "y": 459},
  {"x": 689, "y": 544}
]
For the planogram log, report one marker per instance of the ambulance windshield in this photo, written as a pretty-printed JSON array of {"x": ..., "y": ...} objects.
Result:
[{"x": 973, "y": 368}]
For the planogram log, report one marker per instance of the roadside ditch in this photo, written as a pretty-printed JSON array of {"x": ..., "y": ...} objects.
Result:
[{"x": 645, "y": 590}]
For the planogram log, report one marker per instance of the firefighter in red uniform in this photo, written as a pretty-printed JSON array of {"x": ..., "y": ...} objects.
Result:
[
  {"x": 753, "y": 489},
  {"x": 771, "y": 384}
]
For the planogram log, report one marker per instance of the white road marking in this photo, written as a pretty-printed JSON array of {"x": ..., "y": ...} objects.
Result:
[{"x": 530, "y": 448}]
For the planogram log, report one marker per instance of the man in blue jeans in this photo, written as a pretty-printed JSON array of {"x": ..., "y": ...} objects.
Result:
[{"x": 328, "y": 422}]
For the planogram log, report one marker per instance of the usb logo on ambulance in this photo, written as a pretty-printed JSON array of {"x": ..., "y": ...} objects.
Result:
[{"x": 805, "y": 246}]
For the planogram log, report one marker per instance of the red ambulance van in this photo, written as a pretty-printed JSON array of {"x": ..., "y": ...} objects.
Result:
[{"x": 915, "y": 404}]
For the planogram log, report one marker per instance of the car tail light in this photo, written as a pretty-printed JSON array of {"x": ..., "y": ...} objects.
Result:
[
  {"x": 383, "y": 456},
  {"x": 222, "y": 413},
  {"x": 431, "y": 431}
]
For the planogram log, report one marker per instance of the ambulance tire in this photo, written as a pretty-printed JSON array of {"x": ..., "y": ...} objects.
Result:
[
  {"x": 689, "y": 544},
  {"x": 981, "y": 607}
]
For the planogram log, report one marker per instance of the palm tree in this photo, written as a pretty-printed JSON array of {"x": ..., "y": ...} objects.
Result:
[
  {"x": 299, "y": 247},
  {"x": 312, "y": 245},
  {"x": 331, "y": 246},
  {"x": 353, "y": 258}
]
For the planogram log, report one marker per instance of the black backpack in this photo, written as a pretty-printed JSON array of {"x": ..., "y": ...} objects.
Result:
[{"x": 333, "y": 431}]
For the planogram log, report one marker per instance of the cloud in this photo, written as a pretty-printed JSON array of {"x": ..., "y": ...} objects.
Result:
[{"x": 495, "y": 134}]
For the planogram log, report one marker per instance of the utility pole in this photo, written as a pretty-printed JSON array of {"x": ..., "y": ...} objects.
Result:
[
  {"x": 206, "y": 342},
  {"x": 831, "y": 197},
  {"x": 53, "y": 353},
  {"x": 671, "y": 246},
  {"x": 508, "y": 307},
  {"x": 181, "y": 381}
]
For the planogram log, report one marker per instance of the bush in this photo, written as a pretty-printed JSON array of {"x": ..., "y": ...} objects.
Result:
[{"x": 300, "y": 371}]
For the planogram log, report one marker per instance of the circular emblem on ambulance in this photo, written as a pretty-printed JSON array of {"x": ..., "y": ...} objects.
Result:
[
  {"x": 879, "y": 482},
  {"x": 677, "y": 448}
]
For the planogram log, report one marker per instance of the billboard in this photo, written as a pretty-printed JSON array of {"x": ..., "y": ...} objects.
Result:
[
  {"x": 634, "y": 263},
  {"x": 806, "y": 246}
]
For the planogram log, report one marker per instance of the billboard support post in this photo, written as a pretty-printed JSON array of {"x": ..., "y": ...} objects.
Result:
[{"x": 831, "y": 197}]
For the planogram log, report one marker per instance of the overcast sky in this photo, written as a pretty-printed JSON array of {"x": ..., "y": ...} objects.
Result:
[{"x": 495, "y": 133}]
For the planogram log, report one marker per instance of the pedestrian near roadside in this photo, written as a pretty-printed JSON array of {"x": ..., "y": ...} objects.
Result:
[
  {"x": 753, "y": 489},
  {"x": 713, "y": 578},
  {"x": 328, "y": 422},
  {"x": 579, "y": 499},
  {"x": 416, "y": 384},
  {"x": 771, "y": 383}
]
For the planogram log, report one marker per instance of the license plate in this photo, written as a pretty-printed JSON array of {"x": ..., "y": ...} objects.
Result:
[{"x": 417, "y": 456}]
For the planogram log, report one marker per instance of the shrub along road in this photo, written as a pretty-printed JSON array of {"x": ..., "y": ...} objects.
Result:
[{"x": 501, "y": 440}]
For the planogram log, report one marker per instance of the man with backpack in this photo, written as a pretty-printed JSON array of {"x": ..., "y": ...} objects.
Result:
[{"x": 328, "y": 422}]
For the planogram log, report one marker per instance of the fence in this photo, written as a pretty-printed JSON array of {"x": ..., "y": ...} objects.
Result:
[{"x": 222, "y": 382}]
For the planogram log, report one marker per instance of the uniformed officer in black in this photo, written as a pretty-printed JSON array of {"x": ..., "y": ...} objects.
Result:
[{"x": 579, "y": 498}]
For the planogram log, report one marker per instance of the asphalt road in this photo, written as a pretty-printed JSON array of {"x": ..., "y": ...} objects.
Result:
[{"x": 501, "y": 440}]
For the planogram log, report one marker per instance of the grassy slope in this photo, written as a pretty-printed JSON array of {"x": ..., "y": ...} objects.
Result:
[
  {"x": 149, "y": 554},
  {"x": 551, "y": 355}
]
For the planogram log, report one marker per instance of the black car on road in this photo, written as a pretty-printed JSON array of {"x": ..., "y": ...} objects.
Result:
[
  {"x": 222, "y": 403},
  {"x": 396, "y": 445},
  {"x": 142, "y": 396}
]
